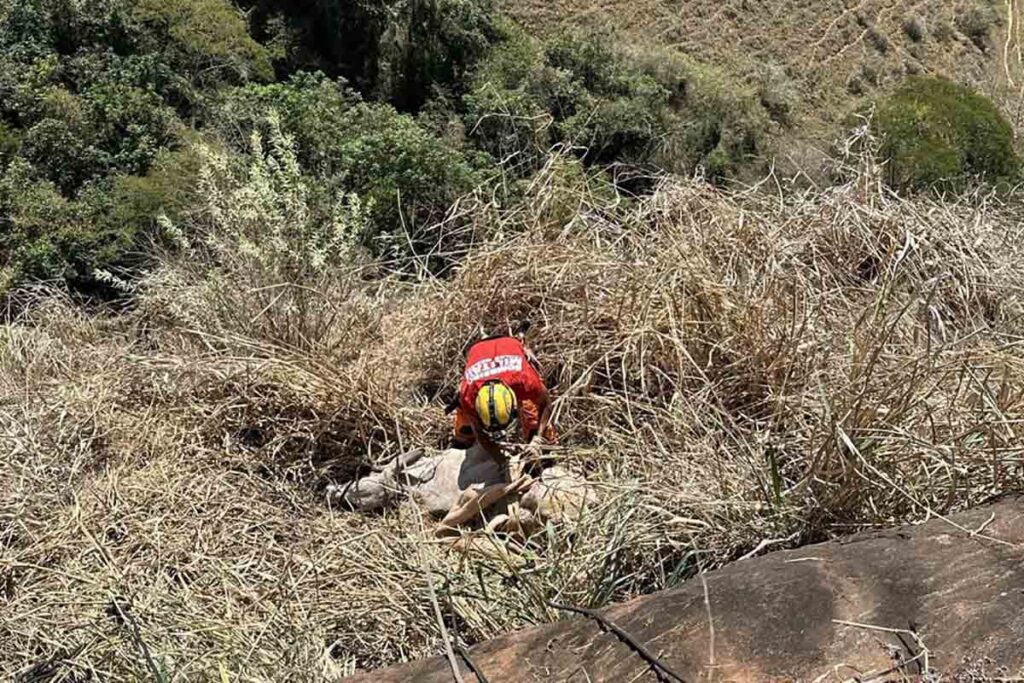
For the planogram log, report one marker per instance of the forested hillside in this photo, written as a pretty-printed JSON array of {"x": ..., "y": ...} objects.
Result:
[
  {"x": 107, "y": 108},
  {"x": 242, "y": 249}
]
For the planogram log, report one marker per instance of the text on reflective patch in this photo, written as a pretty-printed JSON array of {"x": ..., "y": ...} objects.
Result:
[{"x": 490, "y": 367}]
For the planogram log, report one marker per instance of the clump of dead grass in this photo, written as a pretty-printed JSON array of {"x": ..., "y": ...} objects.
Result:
[{"x": 730, "y": 370}]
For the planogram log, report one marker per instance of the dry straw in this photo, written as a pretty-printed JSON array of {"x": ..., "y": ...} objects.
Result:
[{"x": 730, "y": 369}]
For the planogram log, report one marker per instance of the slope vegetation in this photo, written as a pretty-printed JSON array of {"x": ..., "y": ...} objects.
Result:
[
  {"x": 819, "y": 57},
  {"x": 733, "y": 372}
]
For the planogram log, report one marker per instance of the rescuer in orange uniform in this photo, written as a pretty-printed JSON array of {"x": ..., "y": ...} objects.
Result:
[{"x": 500, "y": 387}]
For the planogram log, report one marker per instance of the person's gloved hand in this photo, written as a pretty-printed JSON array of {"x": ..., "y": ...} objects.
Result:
[{"x": 533, "y": 456}]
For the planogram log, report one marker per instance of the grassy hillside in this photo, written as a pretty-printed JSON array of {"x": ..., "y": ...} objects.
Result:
[
  {"x": 820, "y": 57},
  {"x": 239, "y": 265},
  {"x": 730, "y": 370}
]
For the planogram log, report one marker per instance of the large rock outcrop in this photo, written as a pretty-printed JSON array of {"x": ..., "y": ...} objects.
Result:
[{"x": 935, "y": 594}]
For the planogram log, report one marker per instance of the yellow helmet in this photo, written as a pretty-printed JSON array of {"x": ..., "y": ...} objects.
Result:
[{"x": 496, "y": 407}]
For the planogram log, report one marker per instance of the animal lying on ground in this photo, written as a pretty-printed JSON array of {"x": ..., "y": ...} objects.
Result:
[{"x": 469, "y": 488}]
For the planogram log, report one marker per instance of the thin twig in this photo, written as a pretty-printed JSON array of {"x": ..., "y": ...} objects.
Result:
[
  {"x": 136, "y": 634},
  {"x": 449, "y": 651},
  {"x": 924, "y": 652},
  {"x": 659, "y": 666},
  {"x": 464, "y": 653}
]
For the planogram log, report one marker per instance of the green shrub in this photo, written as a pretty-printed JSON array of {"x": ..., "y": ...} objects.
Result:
[
  {"x": 60, "y": 152},
  {"x": 32, "y": 214},
  {"x": 716, "y": 122},
  {"x": 108, "y": 226},
  {"x": 339, "y": 37},
  {"x": 651, "y": 110},
  {"x": 168, "y": 189},
  {"x": 409, "y": 175},
  {"x": 108, "y": 128},
  {"x": 10, "y": 142},
  {"x": 266, "y": 215},
  {"x": 312, "y": 108},
  {"x": 209, "y": 36},
  {"x": 575, "y": 90},
  {"x": 46, "y": 236},
  {"x": 616, "y": 111},
  {"x": 504, "y": 116},
  {"x": 131, "y": 125},
  {"x": 938, "y": 134},
  {"x": 95, "y": 87},
  {"x": 150, "y": 73}
]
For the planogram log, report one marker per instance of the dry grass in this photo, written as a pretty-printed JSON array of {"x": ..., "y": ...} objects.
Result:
[{"x": 730, "y": 369}]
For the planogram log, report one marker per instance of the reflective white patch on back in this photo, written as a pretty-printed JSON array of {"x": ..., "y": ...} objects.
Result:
[{"x": 492, "y": 367}]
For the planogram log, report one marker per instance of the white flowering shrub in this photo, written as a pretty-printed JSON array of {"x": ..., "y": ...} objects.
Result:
[
  {"x": 268, "y": 257},
  {"x": 267, "y": 215}
]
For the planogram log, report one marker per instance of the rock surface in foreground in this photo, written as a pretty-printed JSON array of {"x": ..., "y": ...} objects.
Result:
[{"x": 781, "y": 617}]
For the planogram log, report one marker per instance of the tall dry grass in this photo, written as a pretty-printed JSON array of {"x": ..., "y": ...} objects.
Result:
[{"x": 733, "y": 371}]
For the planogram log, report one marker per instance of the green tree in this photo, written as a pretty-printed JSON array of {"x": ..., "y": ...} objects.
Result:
[
  {"x": 96, "y": 97},
  {"x": 211, "y": 37},
  {"x": 408, "y": 175},
  {"x": 400, "y": 51}
]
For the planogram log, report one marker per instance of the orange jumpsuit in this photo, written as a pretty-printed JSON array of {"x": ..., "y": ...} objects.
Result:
[{"x": 504, "y": 359}]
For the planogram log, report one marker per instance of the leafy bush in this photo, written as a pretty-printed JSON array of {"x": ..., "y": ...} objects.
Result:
[
  {"x": 263, "y": 246},
  {"x": 409, "y": 176},
  {"x": 342, "y": 38},
  {"x": 109, "y": 128},
  {"x": 716, "y": 122},
  {"x": 9, "y": 144},
  {"x": 131, "y": 125},
  {"x": 648, "y": 110},
  {"x": 616, "y": 111},
  {"x": 47, "y": 236},
  {"x": 504, "y": 115},
  {"x": 573, "y": 90},
  {"x": 107, "y": 227},
  {"x": 209, "y": 36},
  {"x": 170, "y": 188},
  {"x": 60, "y": 152},
  {"x": 938, "y": 134},
  {"x": 93, "y": 93},
  {"x": 265, "y": 213}
]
